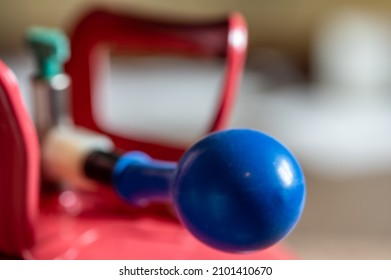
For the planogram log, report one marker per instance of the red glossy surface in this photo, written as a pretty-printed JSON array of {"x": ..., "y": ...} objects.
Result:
[
  {"x": 19, "y": 168},
  {"x": 118, "y": 31},
  {"x": 106, "y": 229}
]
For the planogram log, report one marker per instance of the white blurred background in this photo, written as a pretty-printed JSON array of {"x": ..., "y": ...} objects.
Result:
[{"x": 317, "y": 77}]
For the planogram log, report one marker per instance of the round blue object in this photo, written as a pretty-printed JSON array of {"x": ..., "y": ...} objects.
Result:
[{"x": 239, "y": 190}]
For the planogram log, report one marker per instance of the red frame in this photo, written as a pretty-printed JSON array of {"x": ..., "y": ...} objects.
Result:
[{"x": 103, "y": 28}]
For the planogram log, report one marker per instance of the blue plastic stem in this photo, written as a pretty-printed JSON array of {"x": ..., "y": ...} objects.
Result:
[{"x": 139, "y": 179}]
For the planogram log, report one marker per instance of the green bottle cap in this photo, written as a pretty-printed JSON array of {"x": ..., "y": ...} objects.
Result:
[{"x": 51, "y": 49}]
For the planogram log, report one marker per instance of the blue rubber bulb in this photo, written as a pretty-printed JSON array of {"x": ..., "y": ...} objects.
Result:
[
  {"x": 236, "y": 190},
  {"x": 239, "y": 190}
]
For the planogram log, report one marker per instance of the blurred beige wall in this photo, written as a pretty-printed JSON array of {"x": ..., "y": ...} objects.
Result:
[{"x": 282, "y": 24}]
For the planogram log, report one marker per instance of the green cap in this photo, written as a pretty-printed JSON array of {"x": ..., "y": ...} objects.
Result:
[{"x": 51, "y": 49}]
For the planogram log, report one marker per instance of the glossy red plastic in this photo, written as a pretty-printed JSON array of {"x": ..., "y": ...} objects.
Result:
[
  {"x": 225, "y": 38},
  {"x": 74, "y": 225},
  {"x": 19, "y": 168}
]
